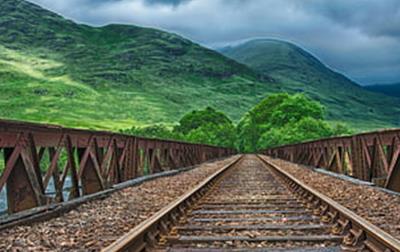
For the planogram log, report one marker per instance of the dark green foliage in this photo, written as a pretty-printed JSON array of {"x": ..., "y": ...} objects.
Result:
[
  {"x": 307, "y": 128},
  {"x": 282, "y": 108},
  {"x": 297, "y": 70},
  {"x": 111, "y": 77},
  {"x": 54, "y": 70},
  {"x": 278, "y": 119},
  {"x": 153, "y": 131},
  {"x": 282, "y": 119},
  {"x": 213, "y": 134},
  {"x": 340, "y": 129},
  {"x": 248, "y": 132},
  {"x": 294, "y": 108},
  {"x": 266, "y": 107},
  {"x": 207, "y": 126},
  {"x": 199, "y": 118}
]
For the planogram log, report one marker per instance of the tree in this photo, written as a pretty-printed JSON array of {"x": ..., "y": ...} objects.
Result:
[
  {"x": 248, "y": 133},
  {"x": 219, "y": 135},
  {"x": 281, "y": 119},
  {"x": 278, "y": 119},
  {"x": 294, "y": 108},
  {"x": 153, "y": 131},
  {"x": 306, "y": 128},
  {"x": 207, "y": 126},
  {"x": 198, "y": 118}
]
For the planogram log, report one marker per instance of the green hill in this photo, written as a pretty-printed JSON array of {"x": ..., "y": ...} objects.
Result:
[
  {"x": 112, "y": 77},
  {"x": 299, "y": 71},
  {"x": 387, "y": 89},
  {"x": 54, "y": 70}
]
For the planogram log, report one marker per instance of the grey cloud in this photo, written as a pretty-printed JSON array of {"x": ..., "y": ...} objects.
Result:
[
  {"x": 360, "y": 38},
  {"x": 167, "y": 2},
  {"x": 378, "y": 18}
]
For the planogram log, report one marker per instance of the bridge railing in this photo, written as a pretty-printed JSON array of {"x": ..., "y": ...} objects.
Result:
[
  {"x": 70, "y": 163},
  {"x": 372, "y": 156}
]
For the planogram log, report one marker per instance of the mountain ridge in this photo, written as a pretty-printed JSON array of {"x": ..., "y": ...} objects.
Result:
[
  {"x": 300, "y": 71},
  {"x": 157, "y": 75},
  {"x": 116, "y": 76}
]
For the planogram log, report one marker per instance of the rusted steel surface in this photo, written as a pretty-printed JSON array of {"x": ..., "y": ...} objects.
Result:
[
  {"x": 36, "y": 155},
  {"x": 360, "y": 234},
  {"x": 253, "y": 205},
  {"x": 139, "y": 238},
  {"x": 372, "y": 156}
]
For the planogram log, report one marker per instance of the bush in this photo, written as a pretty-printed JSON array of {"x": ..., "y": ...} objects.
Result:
[
  {"x": 219, "y": 135},
  {"x": 283, "y": 119},
  {"x": 153, "y": 131},
  {"x": 295, "y": 131},
  {"x": 207, "y": 126},
  {"x": 199, "y": 118},
  {"x": 278, "y": 119}
]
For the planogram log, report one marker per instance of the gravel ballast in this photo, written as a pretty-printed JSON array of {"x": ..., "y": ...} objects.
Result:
[
  {"x": 374, "y": 204},
  {"x": 98, "y": 223}
]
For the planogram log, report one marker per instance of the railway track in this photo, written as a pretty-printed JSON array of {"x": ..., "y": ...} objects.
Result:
[{"x": 253, "y": 205}]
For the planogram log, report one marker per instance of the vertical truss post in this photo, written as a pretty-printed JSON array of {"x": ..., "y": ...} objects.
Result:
[
  {"x": 89, "y": 171},
  {"x": 22, "y": 191},
  {"x": 94, "y": 160}
]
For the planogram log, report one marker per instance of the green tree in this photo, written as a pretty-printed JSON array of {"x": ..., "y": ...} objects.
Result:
[
  {"x": 198, "y": 118},
  {"x": 207, "y": 126},
  {"x": 281, "y": 119},
  {"x": 219, "y": 135},
  {"x": 295, "y": 131},
  {"x": 278, "y": 119},
  {"x": 294, "y": 108},
  {"x": 248, "y": 133},
  {"x": 153, "y": 131},
  {"x": 340, "y": 129}
]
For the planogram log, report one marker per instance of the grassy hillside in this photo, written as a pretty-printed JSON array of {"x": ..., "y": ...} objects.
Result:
[
  {"x": 54, "y": 70},
  {"x": 112, "y": 77},
  {"x": 387, "y": 89},
  {"x": 298, "y": 71}
]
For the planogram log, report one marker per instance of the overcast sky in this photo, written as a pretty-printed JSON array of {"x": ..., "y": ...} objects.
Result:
[{"x": 360, "y": 38}]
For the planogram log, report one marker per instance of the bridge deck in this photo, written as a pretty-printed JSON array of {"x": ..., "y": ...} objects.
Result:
[
  {"x": 380, "y": 207},
  {"x": 98, "y": 223}
]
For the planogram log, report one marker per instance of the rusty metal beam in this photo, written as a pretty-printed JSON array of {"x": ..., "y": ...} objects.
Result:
[
  {"x": 371, "y": 156},
  {"x": 95, "y": 160}
]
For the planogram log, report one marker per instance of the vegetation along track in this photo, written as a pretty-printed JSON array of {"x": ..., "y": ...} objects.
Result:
[{"x": 253, "y": 205}]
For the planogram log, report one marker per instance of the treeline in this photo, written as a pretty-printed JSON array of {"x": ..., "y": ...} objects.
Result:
[{"x": 278, "y": 119}]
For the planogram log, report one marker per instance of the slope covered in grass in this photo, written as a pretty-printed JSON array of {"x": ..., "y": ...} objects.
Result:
[
  {"x": 299, "y": 71},
  {"x": 116, "y": 76}
]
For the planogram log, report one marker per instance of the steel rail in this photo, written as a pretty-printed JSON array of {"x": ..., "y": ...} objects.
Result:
[
  {"x": 36, "y": 154},
  {"x": 370, "y": 156},
  {"x": 360, "y": 233},
  {"x": 143, "y": 234}
]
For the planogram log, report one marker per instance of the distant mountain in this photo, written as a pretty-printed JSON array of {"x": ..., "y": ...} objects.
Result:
[
  {"x": 387, "y": 89},
  {"x": 297, "y": 70},
  {"x": 54, "y": 70},
  {"x": 113, "y": 77}
]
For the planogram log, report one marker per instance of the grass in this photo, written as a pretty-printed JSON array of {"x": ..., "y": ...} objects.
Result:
[
  {"x": 113, "y": 77},
  {"x": 298, "y": 71},
  {"x": 30, "y": 91}
]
